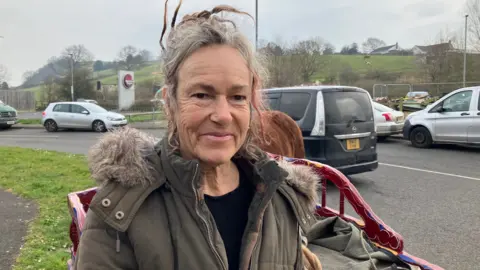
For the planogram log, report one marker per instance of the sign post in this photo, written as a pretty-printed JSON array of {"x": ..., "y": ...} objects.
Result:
[{"x": 126, "y": 89}]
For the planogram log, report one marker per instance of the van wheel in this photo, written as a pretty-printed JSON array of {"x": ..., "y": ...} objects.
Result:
[
  {"x": 99, "y": 126},
  {"x": 421, "y": 137},
  {"x": 50, "y": 126}
]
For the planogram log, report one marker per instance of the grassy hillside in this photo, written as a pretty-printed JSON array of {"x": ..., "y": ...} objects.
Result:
[{"x": 388, "y": 64}]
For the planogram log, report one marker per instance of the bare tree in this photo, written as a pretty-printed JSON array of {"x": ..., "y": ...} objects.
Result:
[
  {"x": 49, "y": 91},
  {"x": 309, "y": 54},
  {"x": 126, "y": 57},
  {"x": 146, "y": 55},
  {"x": 440, "y": 63},
  {"x": 372, "y": 43},
  {"x": 77, "y": 53},
  {"x": 282, "y": 67},
  {"x": 4, "y": 74},
  {"x": 329, "y": 49},
  {"x": 27, "y": 75}
]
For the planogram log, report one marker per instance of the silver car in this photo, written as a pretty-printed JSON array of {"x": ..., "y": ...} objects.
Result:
[
  {"x": 453, "y": 119},
  {"x": 388, "y": 121},
  {"x": 80, "y": 115}
]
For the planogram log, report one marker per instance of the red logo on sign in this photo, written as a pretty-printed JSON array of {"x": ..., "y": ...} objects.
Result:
[{"x": 127, "y": 81}]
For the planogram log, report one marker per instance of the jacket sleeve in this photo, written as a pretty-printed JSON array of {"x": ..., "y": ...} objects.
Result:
[{"x": 102, "y": 247}]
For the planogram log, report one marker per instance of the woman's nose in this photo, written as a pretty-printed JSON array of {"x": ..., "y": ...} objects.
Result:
[{"x": 222, "y": 111}]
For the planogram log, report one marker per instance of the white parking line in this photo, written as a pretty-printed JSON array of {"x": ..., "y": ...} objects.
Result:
[{"x": 428, "y": 171}]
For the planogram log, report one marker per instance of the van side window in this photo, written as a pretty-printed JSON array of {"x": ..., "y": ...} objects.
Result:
[
  {"x": 294, "y": 104},
  {"x": 272, "y": 103},
  {"x": 459, "y": 102},
  {"x": 61, "y": 108}
]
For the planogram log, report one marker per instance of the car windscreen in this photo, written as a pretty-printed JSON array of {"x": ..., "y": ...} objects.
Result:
[{"x": 347, "y": 106}]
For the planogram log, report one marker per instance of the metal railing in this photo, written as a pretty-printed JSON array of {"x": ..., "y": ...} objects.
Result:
[{"x": 401, "y": 90}]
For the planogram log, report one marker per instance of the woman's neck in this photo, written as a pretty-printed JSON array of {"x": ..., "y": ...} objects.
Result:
[{"x": 220, "y": 180}]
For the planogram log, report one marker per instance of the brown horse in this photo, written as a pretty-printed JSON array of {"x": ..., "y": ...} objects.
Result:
[{"x": 281, "y": 135}]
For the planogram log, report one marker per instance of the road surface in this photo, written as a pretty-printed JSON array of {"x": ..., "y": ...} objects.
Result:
[{"x": 430, "y": 196}]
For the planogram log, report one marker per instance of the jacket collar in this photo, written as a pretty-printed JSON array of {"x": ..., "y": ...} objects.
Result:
[{"x": 128, "y": 165}]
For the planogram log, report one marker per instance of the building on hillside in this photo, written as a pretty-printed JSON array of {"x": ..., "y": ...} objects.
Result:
[
  {"x": 391, "y": 49},
  {"x": 433, "y": 49}
]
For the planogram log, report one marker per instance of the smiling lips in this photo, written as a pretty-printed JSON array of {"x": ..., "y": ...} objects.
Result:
[{"x": 218, "y": 136}]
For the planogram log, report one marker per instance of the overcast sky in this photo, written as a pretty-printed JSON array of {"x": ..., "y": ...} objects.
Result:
[{"x": 35, "y": 30}]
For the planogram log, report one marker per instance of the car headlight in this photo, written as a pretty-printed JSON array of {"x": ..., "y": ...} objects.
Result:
[{"x": 110, "y": 118}]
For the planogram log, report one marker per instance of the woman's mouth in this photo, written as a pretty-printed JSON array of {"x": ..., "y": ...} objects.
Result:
[{"x": 218, "y": 136}]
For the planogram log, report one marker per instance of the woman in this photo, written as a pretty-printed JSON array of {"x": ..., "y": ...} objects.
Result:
[{"x": 204, "y": 197}]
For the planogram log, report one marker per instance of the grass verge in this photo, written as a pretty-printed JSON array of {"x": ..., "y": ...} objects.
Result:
[
  {"x": 30, "y": 121},
  {"x": 145, "y": 117},
  {"x": 45, "y": 177},
  {"x": 131, "y": 119}
]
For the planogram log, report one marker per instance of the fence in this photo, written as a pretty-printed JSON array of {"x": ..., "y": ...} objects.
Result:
[
  {"x": 19, "y": 99},
  {"x": 107, "y": 97},
  {"x": 401, "y": 90}
]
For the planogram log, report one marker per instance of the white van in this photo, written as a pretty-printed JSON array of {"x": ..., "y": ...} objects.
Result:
[{"x": 455, "y": 119}]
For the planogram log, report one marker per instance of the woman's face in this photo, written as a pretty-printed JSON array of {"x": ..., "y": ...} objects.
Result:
[{"x": 214, "y": 94}]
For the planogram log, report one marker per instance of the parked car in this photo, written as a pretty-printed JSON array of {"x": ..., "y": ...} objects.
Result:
[
  {"x": 8, "y": 116},
  {"x": 87, "y": 100},
  {"x": 337, "y": 124},
  {"x": 454, "y": 118},
  {"x": 389, "y": 121},
  {"x": 80, "y": 115}
]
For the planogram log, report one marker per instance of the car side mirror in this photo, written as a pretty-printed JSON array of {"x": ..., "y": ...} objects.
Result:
[{"x": 85, "y": 112}]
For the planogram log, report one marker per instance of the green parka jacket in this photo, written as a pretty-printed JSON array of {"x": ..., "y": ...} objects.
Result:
[{"x": 149, "y": 212}]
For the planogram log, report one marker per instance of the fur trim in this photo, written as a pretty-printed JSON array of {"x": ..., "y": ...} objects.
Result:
[
  {"x": 120, "y": 156},
  {"x": 304, "y": 180}
]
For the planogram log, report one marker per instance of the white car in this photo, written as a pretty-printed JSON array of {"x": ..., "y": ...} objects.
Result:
[
  {"x": 387, "y": 120},
  {"x": 80, "y": 115},
  {"x": 454, "y": 118}
]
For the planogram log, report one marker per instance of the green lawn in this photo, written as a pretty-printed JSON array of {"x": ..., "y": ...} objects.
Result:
[
  {"x": 45, "y": 177},
  {"x": 386, "y": 63}
]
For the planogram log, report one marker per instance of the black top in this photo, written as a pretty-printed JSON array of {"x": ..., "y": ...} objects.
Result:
[{"x": 230, "y": 212}]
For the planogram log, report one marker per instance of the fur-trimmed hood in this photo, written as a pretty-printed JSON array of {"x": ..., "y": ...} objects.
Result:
[{"x": 131, "y": 157}]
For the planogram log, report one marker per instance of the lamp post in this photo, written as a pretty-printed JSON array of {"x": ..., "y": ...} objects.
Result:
[
  {"x": 71, "y": 69},
  {"x": 465, "y": 53}
]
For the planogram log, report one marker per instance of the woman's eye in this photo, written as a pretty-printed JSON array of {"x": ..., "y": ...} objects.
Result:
[
  {"x": 200, "y": 95},
  {"x": 239, "y": 98}
]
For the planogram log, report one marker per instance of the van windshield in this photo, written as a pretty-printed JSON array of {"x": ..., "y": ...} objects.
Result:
[{"x": 347, "y": 107}]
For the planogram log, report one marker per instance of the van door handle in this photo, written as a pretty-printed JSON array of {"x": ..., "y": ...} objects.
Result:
[
  {"x": 463, "y": 114},
  {"x": 478, "y": 113}
]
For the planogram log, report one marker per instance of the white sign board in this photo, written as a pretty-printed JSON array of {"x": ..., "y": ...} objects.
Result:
[{"x": 126, "y": 89}]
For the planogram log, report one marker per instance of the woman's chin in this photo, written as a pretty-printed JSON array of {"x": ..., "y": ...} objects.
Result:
[{"x": 216, "y": 157}]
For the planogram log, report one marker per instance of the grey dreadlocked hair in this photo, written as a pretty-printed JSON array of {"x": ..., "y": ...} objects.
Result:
[{"x": 202, "y": 29}]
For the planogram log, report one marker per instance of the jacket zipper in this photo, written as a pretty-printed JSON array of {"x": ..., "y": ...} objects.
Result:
[{"x": 209, "y": 234}]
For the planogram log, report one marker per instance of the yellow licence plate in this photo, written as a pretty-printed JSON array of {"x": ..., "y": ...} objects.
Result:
[{"x": 353, "y": 144}]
